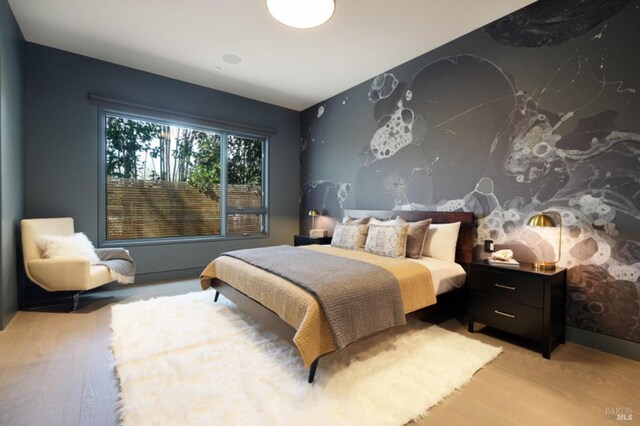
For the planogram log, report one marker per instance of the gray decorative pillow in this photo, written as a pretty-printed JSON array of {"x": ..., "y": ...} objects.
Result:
[
  {"x": 349, "y": 236},
  {"x": 387, "y": 240},
  {"x": 416, "y": 237}
]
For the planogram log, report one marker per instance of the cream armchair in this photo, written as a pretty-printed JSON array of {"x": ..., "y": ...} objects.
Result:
[{"x": 55, "y": 275}]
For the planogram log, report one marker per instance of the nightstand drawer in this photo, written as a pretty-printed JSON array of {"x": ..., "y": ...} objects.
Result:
[
  {"x": 509, "y": 316},
  {"x": 507, "y": 285}
]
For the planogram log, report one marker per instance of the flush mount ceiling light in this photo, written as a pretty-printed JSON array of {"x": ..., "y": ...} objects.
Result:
[
  {"x": 301, "y": 13},
  {"x": 232, "y": 59}
]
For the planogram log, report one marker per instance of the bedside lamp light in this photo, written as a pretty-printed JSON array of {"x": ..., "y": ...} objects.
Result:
[
  {"x": 316, "y": 233},
  {"x": 545, "y": 221},
  {"x": 313, "y": 213}
]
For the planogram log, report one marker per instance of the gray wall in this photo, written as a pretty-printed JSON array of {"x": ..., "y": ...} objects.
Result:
[
  {"x": 537, "y": 111},
  {"x": 11, "y": 199},
  {"x": 61, "y": 148}
]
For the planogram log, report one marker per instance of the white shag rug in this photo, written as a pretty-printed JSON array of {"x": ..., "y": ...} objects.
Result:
[{"x": 185, "y": 360}]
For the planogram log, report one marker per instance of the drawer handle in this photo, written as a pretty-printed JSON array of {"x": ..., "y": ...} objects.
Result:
[
  {"x": 504, "y": 314},
  {"x": 504, "y": 286}
]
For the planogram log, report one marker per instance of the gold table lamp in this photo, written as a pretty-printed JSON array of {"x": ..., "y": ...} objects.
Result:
[
  {"x": 313, "y": 213},
  {"x": 544, "y": 220}
]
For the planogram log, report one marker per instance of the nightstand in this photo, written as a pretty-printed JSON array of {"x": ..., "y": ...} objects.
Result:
[
  {"x": 523, "y": 301},
  {"x": 305, "y": 240}
]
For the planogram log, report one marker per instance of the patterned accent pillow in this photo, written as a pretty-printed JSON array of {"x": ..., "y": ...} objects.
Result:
[
  {"x": 387, "y": 240},
  {"x": 416, "y": 235},
  {"x": 349, "y": 236}
]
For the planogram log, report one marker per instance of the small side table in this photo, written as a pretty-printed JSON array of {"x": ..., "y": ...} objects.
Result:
[
  {"x": 523, "y": 301},
  {"x": 305, "y": 240}
]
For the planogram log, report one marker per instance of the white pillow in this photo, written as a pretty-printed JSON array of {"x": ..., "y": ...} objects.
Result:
[
  {"x": 353, "y": 221},
  {"x": 389, "y": 222},
  {"x": 76, "y": 246},
  {"x": 441, "y": 241}
]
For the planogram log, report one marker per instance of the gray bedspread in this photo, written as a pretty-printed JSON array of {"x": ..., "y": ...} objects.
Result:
[{"x": 358, "y": 299}]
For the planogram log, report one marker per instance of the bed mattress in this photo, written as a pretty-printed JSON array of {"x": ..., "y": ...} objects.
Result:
[{"x": 446, "y": 276}]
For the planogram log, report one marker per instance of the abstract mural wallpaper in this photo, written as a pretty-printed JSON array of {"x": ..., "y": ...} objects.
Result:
[{"x": 538, "y": 111}]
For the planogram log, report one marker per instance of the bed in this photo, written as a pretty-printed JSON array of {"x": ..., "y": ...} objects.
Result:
[{"x": 296, "y": 316}]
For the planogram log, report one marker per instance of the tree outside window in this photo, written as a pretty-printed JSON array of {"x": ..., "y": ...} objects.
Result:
[{"x": 165, "y": 180}]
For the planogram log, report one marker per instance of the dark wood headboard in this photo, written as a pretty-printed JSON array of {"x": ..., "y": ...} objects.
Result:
[{"x": 464, "y": 247}]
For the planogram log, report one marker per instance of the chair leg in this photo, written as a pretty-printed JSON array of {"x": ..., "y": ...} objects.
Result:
[
  {"x": 76, "y": 299},
  {"x": 215, "y": 299},
  {"x": 312, "y": 370},
  {"x": 54, "y": 304}
]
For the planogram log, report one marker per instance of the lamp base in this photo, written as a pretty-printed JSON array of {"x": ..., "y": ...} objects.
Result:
[{"x": 544, "y": 265}]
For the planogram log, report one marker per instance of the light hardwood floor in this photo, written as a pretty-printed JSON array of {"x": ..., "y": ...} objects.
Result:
[{"x": 57, "y": 369}]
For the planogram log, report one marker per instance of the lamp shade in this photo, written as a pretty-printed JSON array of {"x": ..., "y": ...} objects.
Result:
[
  {"x": 314, "y": 212},
  {"x": 301, "y": 13},
  {"x": 543, "y": 220}
]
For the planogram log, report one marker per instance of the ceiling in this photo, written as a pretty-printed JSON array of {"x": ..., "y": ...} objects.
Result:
[{"x": 186, "y": 40}]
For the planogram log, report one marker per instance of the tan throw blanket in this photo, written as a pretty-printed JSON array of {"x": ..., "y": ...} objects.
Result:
[
  {"x": 300, "y": 309},
  {"x": 358, "y": 299}
]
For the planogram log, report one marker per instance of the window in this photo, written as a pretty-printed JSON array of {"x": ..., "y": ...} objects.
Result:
[{"x": 166, "y": 179}]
